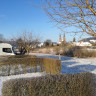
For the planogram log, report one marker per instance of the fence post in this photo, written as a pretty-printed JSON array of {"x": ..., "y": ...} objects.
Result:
[{"x": 59, "y": 57}]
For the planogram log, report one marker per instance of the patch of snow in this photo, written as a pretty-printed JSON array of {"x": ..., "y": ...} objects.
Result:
[
  {"x": 69, "y": 65},
  {"x": 82, "y": 43},
  {"x": 72, "y": 64}
]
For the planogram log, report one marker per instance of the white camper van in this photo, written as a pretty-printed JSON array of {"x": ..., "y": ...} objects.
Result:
[{"x": 6, "y": 49}]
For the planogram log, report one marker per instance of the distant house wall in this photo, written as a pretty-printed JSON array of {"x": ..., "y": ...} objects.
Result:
[
  {"x": 82, "y": 44},
  {"x": 93, "y": 41}
]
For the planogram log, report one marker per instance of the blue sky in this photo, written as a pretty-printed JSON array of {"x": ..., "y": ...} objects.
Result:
[{"x": 18, "y": 15}]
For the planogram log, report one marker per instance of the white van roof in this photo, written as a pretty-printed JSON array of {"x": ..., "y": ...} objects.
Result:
[{"x": 6, "y": 45}]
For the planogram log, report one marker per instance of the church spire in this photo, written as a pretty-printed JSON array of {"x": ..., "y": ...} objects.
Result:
[
  {"x": 64, "y": 40},
  {"x": 60, "y": 40}
]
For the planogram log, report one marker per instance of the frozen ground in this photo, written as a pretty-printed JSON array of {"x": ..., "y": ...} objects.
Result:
[
  {"x": 69, "y": 65},
  {"x": 74, "y": 65}
]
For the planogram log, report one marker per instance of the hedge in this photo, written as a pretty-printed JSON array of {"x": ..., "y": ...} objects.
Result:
[
  {"x": 81, "y": 84},
  {"x": 15, "y": 66},
  {"x": 21, "y": 56}
]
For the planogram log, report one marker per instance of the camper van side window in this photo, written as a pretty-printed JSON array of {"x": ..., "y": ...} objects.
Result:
[{"x": 7, "y": 50}]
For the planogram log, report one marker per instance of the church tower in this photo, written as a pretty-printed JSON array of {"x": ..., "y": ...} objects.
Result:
[
  {"x": 64, "y": 40},
  {"x": 60, "y": 40}
]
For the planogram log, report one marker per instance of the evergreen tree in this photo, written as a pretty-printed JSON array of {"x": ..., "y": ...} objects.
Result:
[{"x": 74, "y": 40}]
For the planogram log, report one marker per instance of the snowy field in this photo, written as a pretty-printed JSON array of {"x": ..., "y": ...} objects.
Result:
[
  {"x": 69, "y": 65},
  {"x": 74, "y": 65}
]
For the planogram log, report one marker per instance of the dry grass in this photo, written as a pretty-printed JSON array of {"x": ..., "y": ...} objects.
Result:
[
  {"x": 11, "y": 66},
  {"x": 52, "y": 85},
  {"x": 22, "y": 56},
  {"x": 80, "y": 52},
  {"x": 73, "y": 51}
]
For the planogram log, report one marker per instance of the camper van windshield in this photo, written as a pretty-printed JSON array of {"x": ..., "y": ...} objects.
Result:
[
  {"x": 13, "y": 49},
  {"x": 7, "y": 50}
]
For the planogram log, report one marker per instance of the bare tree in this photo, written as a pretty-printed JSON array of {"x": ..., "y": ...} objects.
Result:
[
  {"x": 79, "y": 14},
  {"x": 47, "y": 42},
  {"x": 27, "y": 41}
]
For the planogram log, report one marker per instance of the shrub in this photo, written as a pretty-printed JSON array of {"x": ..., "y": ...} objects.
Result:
[
  {"x": 52, "y": 66},
  {"x": 22, "y": 56},
  {"x": 65, "y": 50},
  {"x": 13, "y": 66},
  {"x": 80, "y": 52},
  {"x": 81, "y": 84},
  {"x": 57, "y": 50},
  {"x": 84, "y": 53}
]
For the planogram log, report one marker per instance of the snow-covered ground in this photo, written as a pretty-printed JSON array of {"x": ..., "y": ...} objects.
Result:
[
  {"x": 69, "y": 65},
  {"x": 72, "y": 64}
]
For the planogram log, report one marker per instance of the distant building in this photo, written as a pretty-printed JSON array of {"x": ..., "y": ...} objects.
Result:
[
  {"x": 92, "y": 41},
  {"x": 54, "y": 43},
  {"x": 62, "y": 40},
  {"x": 82, "y": 43},
  {"x": 40, "y": 44}
]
